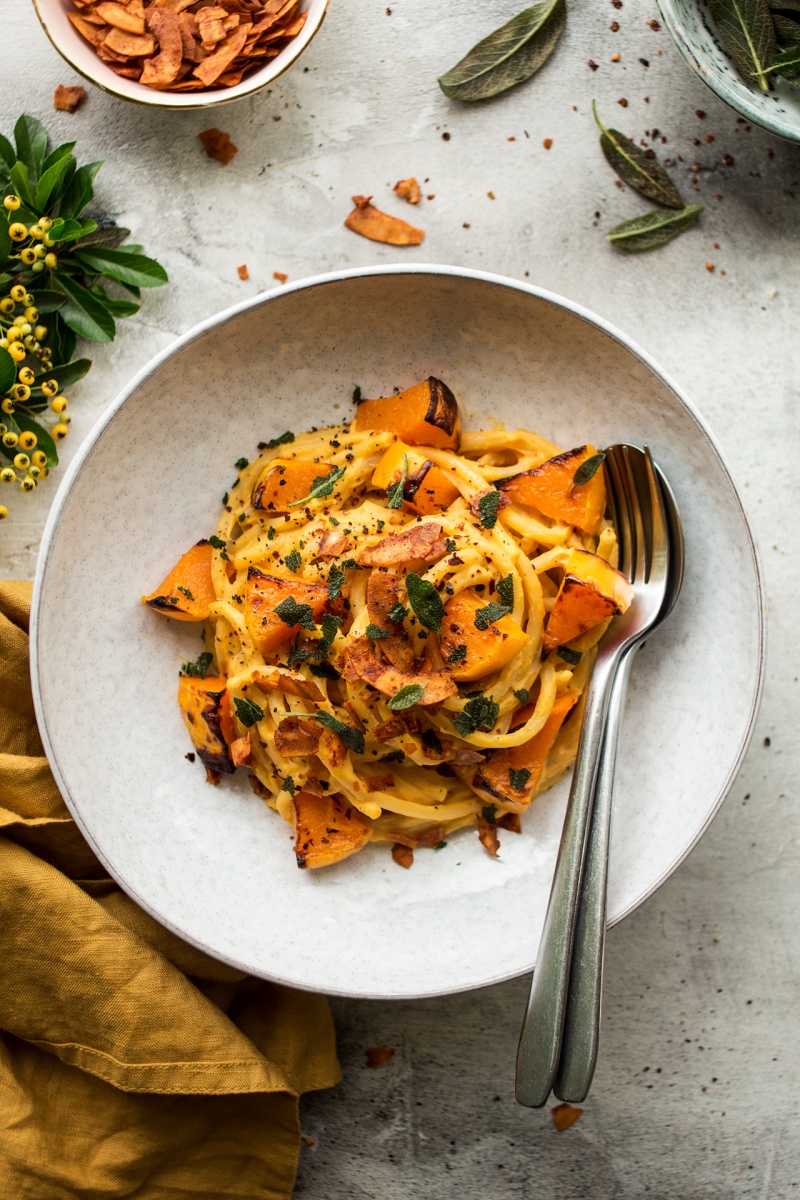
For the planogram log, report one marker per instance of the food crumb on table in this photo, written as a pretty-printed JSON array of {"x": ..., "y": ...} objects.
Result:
[
  {"x": 218, "y": 145},
  {"x": 243, "y": 272},
  {"x": 66, "y": 98},
  {"x": 565, "y": 1115},
  {"x": 379, "y": 1056}
]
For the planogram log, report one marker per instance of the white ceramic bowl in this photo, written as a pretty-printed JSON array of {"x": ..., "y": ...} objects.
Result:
[
  {"x": 692, "y": 29},
  {"x": 215, "y": 864},
  {"x": 80, "y": 55}
]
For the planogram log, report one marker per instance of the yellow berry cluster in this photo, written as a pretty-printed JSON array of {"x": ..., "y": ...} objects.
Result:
[{"x": 23, "y": 337}]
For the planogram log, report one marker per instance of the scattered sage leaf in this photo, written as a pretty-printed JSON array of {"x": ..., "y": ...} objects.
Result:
[
  {"x": 322, "y": 486},
  {"x": 406, "y": 697},
  {"x": 518, "y": 778},
  {"x": 353, "y": 738},
  {"x": 480, "y": 712},
  {"x": 375, "y": 632},
  {"x": 587, "y": 470},
  {"x": 292, "y": 613},
  {"x": 282, "y": 439},
  {"x": 523, "y": 695},
  {"x": 329, "y": 626},
  {"x": 635, "y": 168},
  {"x": 394, "y": 494},
  {"x": 458, "y": 653},
  {"x": 509, "y": 55},
  {"x": 199, "y": 667},
  {"x": 484, "y": 617},
  {"x": 488, "y": 507},
  {"x": 335, "y": 581},
  {"x": 425, "y": 601},
  {"x": 747, "y": 34},
  {"x": 573, "y": 657},
  {"x": 653, "y": 229},
  {"x": 248, "y": 711}
]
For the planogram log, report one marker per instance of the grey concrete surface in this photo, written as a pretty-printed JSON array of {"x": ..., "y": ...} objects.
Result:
[{"x": 697, "y": 1094}]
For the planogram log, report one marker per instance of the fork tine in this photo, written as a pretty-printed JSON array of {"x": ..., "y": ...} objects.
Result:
[
  {"x": 660, "y": 549},
  {"x": 621, "y": 510}
]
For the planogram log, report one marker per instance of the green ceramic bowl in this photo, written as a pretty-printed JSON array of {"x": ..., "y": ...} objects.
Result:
[{"x": 693, "y": 31}]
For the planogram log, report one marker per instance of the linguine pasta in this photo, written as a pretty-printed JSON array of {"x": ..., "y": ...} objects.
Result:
[{"x": 385, "y": 671}]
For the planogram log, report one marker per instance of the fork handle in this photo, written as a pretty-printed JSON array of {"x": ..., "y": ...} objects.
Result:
[
  {"x": 540, "y": 1039},
  {"x": 582, "y": 1018}
]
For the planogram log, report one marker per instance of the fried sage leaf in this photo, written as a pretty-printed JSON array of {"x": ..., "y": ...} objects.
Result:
[
  {"x": 635, "y": 168},
  {"x": 510, "y": 55},
  {"x": 653, "y": 229},
  {"x": 747, "y": 34}
]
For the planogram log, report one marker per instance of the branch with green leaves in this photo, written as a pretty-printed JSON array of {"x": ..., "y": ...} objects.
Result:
[{"x": 62, "y": 276}]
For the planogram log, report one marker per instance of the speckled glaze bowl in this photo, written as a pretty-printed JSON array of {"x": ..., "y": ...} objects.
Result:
[
  {"x": 75, "y": 50},
  {"x": 692, "y": 29},
  {"x": 215, "y": 865}
]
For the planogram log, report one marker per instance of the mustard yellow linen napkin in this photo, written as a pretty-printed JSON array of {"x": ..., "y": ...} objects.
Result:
[{"x": 131, "y": 1064}]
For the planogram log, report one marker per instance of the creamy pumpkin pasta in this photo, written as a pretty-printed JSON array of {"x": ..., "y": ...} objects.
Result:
[{"x": 400, "y": 618}]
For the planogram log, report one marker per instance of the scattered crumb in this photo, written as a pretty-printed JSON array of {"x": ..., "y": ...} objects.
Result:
[
  {"x": 728, "y": 159},
  {"x": 654, "y": 25},
  {"x": 709, "y": 138},
  {"x": 465, "y": 225},
  {"x": 379, "y": 1056},
  {"x": 592, "y": 65},
  {"x": 565, "y": 1115},
  {"x": 189, "y": 757},
  {"x": 408, "y": 189},
  {"x": 709, "y": 266},
  {"x": 716, "y": 245},
  {"x": 243, "y": 272},
  {"x": 218, "y": 145},
  {"x": 511, "y": 139},
  {"x": 614, "y": 27},
  {"x": 431, "y": 196},
  {"x": 547, "y": 143},
  {"x": 491, "y": 195},
  {"x": 718, "y": 196},
  {"x": 616, "y": 56},
  {"x": 280, "y": 276},
  {"x": 622, "y": 102},
  {"x": 67, "y": 99},
  {"x": 445, "y": 137},
  {"x": 645, "y": 62},
  {"x": 699, "y": 112},
  {"x": 309, "y": 1141},
  {"x": 723, "y": 272},
  {"x": 770, "y": 153}
]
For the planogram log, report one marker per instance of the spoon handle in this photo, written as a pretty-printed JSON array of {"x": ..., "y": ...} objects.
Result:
[
  {"x": 582, "y": 1018},
  {"x": 540, "y": 1039}
]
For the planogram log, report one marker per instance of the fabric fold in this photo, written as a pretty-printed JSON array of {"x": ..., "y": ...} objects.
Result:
[{"x": 131, "y": 1064}]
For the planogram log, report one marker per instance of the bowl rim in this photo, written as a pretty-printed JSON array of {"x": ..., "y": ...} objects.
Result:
[
  {"x": 744, "y": 107},
  {"x": 188, "y": 103},
  {"x": 94, "y": 435}
]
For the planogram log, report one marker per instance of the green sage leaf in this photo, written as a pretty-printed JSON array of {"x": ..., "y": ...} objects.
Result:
[
  {"x": 587, "y": 470},
  {"x": 133, "y": 269},
  {"x": 394, "y": 493},
  {"x": 573, "y": 657},
  {"x": 353, "y": 738},
  {"x": 509, "y": 55},
  {"x": 518, "y": 778},
  {"x": 653, "y": 229},
  {"x": 484, "y": 617},
  {"x": 479, "y": 712},
  {"x": 787, "y": 63},
  {"x": 787, "y": 31},
  {"x": 322, "y": 486},
  {"x": 292, "y": 613},
  {"x": 248, "y": 711},
  {"x": 198, "y": 668},
  {"x": 747, "y": 34},
  {"x": 634, "y": 167},
  {"x": 425, "y": 601},
  {"x": 406, "y": 697}
]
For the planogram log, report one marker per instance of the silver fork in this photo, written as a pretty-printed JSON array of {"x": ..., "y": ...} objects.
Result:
[
  {"x": 582, "y": 1019},
  {"x": 638, "y": 504}
]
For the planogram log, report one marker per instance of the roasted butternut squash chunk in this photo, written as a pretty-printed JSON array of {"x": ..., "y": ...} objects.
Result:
[
  {"x": 590, "y": 592},
  {"x": 284, "y": 482},
  {"x": 325, "y": 830},
  {"x": 426, "y": 414},
  {"x": 265, "y": 593},
  {"x": 551, "y": 489},
  {"x": 523, "y": 764},
  {"x": 427, "y": 488},
  {"x": 206, "y": 709},
  {"x": 188, "y": 590},
  {"x": 485, "y": 650}
]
